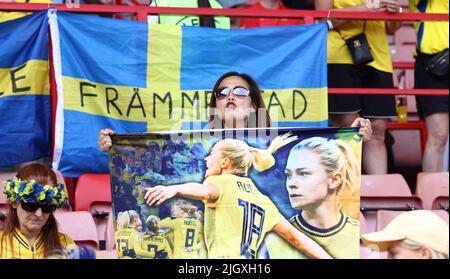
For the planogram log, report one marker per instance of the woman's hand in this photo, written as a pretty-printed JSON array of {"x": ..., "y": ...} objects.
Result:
[
  {"x": 365, "y": 127},
  {"x": 104, "y": 139},
  {"x": 390, "y": 6},
  {"x": 159, "y": 194}
]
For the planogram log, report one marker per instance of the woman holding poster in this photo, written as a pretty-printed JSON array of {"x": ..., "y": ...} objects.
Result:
[
  {"x": 321, "y": 177},
  {"x": 237, "y": 214},
  {"x": 236, "y": 103}
]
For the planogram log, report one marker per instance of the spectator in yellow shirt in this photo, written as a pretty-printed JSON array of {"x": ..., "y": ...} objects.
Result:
[{"x": 31, "y": 231}]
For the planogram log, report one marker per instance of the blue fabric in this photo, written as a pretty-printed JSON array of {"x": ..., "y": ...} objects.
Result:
[
  {"x": 222, "y": 51},
  {"x": 105, "y": 49}
]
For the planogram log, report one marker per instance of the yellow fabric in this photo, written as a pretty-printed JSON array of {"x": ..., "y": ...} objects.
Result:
[
  {"x": 341, "y": 241},
  {"x": 220, "y": 21},
  {"x": 5, "y": 16},
  {"x": 435, "y": 33},
  {"x": 18, "y": 247},
  {"x": 376, "y": 35},
  {"x": 228, "y": 221},
  {"x": 150, "y": 244},
  {"x": 126, "y": 239},
  {"x": 187, "y": 234}
]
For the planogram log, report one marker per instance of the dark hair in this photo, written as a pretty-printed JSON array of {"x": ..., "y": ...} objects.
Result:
[
  {"x": 45, "y": 176},
  {"x": 255, "y": 95}
]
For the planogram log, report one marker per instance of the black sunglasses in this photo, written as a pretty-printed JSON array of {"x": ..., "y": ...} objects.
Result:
[
  {"x": 238, "y": 91},
  {"x": 32, "y": 207}
]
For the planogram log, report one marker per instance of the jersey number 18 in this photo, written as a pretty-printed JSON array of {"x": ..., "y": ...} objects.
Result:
[{"x": 251, "y": 226}]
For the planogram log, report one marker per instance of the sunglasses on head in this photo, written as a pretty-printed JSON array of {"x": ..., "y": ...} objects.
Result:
[
  {"x": 32, "y": 207},
  {"x": 238, "y": 91}
]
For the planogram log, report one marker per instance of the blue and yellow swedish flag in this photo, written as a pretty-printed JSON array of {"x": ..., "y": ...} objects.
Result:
[
  {"x": 24, "y": 89},
  {"x": 134, "y": 77}
]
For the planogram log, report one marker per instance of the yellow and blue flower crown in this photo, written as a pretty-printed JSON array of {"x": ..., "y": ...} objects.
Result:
[{"x": 17, "y": 190}]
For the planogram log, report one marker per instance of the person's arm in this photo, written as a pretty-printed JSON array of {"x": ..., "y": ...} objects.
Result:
[
  {"x": 393, "y": 26},
  {"x": 142, "y": 253},
  {"x": 104, "y": 141},
  {"x": 365, "y": 127},
  {"x": 300, "y": 241},
  {"x": 389, "y": 6},
  {"x": 393, "y": 7},
  {"x": 196, "y": 191},
  {"x": 327, "y": 5}
]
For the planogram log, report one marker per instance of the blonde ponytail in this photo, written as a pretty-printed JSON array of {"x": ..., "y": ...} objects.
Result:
[
  {"x": 351, "y": 170},
  {"x": 263, "y": 158},
  {"x": 242, "y": 156}
]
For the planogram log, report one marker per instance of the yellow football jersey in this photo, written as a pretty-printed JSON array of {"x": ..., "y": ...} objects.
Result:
[
  {"x": 237, "y": 222},
  {"x": 340, "y": 241},
  {"x": 375, "y": 31},
  {"x": 153, "y": 247},
  {"x": 432, "y": 36},
  {"x": 126, "y": 239},
  {"x": 18, "y": 247},
  {"x": 187, "y": 237}
]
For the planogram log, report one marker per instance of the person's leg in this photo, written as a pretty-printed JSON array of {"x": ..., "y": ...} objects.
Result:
[
  {"x": 379, "y": 109},
  {"x": 434, "y": 109},
  {"x": 433, "y": 157},
  {"x": 374, "y": 150}
]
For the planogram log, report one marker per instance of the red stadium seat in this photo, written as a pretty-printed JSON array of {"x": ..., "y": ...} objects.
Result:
[
  {"x": 403, "y": 53},
  {"x": 431, "y": 185},
  {"x": 440, "y": 203},
  {"x": 411, "y": 104},
  {"x": 409, "y": 79},
  {"x": 407, "y": 147},
  {"x": 404, "y": 79},
  {"x": 92, "y": 188},
  {"x": 405, "y": 35},
  {"x": 80, "y": 226},
  {"x": 384, "y": 186},
  {"x": 109, "y": 234},
  {"x": 93, "y": 194},
  {"x": 388, "y": 192}
]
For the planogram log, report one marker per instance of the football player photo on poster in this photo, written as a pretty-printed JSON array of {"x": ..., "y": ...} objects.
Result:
[{"x": 237, "y": 194}]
